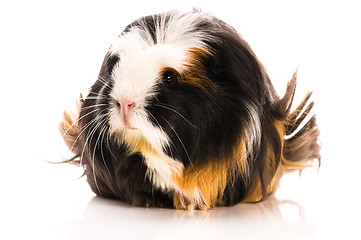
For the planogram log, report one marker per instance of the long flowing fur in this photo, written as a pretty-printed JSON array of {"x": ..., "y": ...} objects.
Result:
[
  {"x": 301, "y": 146},
  {"x": 217, "y": 135}
]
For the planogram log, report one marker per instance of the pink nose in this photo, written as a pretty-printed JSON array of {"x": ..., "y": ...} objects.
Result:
[{"x": 126, "y": 107}]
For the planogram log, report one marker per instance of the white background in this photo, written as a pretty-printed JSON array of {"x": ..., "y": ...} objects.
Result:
[{"x": 52, "y": 50}]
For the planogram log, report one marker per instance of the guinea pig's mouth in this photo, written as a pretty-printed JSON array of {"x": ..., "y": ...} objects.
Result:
[{"x": 126, "y": 122}]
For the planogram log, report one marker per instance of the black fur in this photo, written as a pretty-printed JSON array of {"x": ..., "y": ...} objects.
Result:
[
  {"x": 206, "y": 124},
  {"x": 110, "y": 170}
]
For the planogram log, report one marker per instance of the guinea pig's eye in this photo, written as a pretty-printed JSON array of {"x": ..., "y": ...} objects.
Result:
[{"x": 169, "y": 77}]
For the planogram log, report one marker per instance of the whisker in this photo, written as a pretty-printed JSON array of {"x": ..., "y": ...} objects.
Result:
[
  {"x": 95, "y": 98},
  {"x": 150, "y": 114},
  {"x": 159, "y": 126},
  {"x": 171, "y": 109},
  {"x": 90, "y": 138},
  {"x": 102, "y": 125},
  {"x": 94, "y": 175},
  {"x": 190, "y": 161},
  {"x": 83, "y": 108},
  {"x": 84, "y": 128},
  {"x": 97, "y": 94},
  {"x": 78, "y": 121},
  {"x": 103, "y": 132},
  {"x": 102, "y": 80},
  {"x": 108, "y": 145},
  {"x": 95, "y": 105}
]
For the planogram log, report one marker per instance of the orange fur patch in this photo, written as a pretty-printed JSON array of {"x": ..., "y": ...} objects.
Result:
[
  {"x": 195, "y": 73},
  {"x": 201, "y": 185},
  {"x": 240, "y": 160},
  {"x": 256, "y": 194},
  {"x": 69, "y": 126}
]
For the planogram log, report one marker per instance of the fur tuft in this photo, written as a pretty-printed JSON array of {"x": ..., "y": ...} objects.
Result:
[
  {"x": 301, "y": 145},
  {"x": 183, "y": 115},
  {"x": 70, "y": 128}
]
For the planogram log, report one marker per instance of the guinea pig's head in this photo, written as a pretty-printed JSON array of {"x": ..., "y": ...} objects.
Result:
[{"x": 182, "y": 84}]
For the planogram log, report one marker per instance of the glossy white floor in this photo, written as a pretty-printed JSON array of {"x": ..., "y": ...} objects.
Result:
[{"x": 49, "y": 52}]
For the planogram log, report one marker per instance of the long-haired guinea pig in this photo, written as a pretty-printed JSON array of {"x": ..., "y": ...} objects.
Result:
[{"x": 183, "y": 115}]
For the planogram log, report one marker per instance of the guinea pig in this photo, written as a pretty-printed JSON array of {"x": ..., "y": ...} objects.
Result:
[{"x": 183, "y": 115}]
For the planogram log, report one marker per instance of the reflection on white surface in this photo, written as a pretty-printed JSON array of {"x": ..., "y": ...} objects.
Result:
[
  {"x": 247, "y": 221},
  {"x": 50, "y": 51},
  {"x": 54, "y": 204}
]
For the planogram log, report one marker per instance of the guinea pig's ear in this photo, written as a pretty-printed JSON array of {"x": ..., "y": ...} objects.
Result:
[{"x": 108, "y": 64}]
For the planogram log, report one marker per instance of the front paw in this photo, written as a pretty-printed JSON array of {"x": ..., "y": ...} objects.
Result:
[{"x": 182, "y": 203}]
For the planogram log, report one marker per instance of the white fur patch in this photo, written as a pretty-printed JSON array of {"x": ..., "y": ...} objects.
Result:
[
  {"x": 136, "y": 77},
  {"x": 253, "y": 136},
  {"x": 253, "y": 131},
  {"x": 162, "y": 170}
]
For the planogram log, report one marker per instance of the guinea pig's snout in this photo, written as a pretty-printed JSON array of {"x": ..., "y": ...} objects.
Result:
[{"x": 126, "y": 107}]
